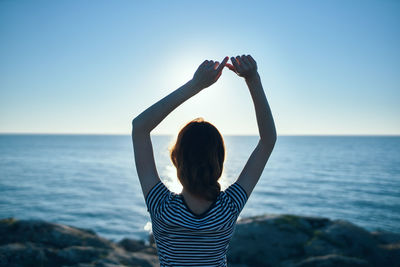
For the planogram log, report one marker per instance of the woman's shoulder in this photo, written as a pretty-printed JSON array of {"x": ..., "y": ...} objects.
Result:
[
  {"x": 236, "y": 188},
  {"x": 236, "y": 195}
]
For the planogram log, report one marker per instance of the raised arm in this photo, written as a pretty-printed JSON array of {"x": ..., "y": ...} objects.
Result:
[
  {"x": 207, "y": 74},
  {"x": 246, "y": 67}
]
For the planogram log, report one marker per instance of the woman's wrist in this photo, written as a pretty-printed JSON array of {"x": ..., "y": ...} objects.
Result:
[
  {"x": 195, "y": 86},
  {"x": 254, "y": 77}
]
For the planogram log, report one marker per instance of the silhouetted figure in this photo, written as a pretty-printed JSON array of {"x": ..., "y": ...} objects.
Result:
[{"x": 194, "y": 228}]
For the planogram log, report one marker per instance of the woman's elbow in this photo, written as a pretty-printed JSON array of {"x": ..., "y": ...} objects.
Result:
[
  {"x": 134, "y": 123},
  {"x": 269, "y": 142},
  {"x": 135, "y": 127},
  {"x": 274, "y": 138},
  {"x": 138, "y": 129}
]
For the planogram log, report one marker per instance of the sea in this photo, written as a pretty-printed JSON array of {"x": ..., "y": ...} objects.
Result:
[{"x": 90, "y": 181}]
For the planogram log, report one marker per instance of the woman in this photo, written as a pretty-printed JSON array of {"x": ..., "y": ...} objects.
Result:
[{"x": 194, "y": 228}]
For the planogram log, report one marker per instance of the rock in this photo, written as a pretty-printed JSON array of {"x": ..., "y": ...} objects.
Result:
[
  {"x": 132, "y": 245},
  {"x": 77, "y": 254},
  {"x": 50, "y": 234},
  {"x": 287, "y": 240},
  {"x": 332, "y": 260},
  {"x": 268, "y": 240},
  {"x": 40, "y": 243},
  {"x": 385, "y": 237},
  {"x": 18, "y": 254},
  {"x": 319, "y": 247}
]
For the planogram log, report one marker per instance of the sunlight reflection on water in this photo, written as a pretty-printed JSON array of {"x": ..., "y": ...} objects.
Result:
[{"x": 91, "y": 181}]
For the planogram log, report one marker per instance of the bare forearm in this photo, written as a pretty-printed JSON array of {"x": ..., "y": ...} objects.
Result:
[
  {"x": 206, "y": 74},
  {"x": 151, "y": 117},
  {"x": 265, "y": 121}
]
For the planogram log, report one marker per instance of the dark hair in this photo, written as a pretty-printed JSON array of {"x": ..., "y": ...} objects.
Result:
[{"x": 198, "y": 156}]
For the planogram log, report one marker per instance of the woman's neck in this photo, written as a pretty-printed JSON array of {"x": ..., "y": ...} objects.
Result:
[{"x": 196, "y": 204}]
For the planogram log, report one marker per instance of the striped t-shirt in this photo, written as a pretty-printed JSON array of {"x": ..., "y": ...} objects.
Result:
[{"x": 186, "y": 239}]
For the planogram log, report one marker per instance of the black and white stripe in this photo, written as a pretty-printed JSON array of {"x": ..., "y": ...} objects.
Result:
[{"x": 186, "y": 239}]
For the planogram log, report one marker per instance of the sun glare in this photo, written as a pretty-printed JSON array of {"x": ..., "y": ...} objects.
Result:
[
  {"x": 171, "y": 180},
  {"x": 172, "y": 183}
]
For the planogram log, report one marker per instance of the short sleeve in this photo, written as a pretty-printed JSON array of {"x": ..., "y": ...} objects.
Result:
[
  {"x": 238, "y": 196},
  {"x": 156, "y": 198}
]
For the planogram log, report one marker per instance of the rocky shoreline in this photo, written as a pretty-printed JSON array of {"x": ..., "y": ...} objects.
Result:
[{"x": 269, "y": 240}]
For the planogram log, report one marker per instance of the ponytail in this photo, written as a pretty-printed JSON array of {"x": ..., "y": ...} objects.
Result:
[{"x": 198, "y": 156}]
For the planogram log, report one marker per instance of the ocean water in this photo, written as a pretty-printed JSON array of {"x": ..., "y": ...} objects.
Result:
[{"x": 90, "y": 181}]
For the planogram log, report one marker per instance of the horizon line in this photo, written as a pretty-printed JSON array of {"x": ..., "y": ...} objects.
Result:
[{"x": 228, "y": 134}]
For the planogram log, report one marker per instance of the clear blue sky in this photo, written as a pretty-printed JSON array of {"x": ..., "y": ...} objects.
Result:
[{"x": 328, "y": 67}]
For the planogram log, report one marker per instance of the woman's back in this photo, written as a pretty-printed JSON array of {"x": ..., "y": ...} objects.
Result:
[
  {"x": 187, "y": 239},
  {"x": 184, "y": 238}
]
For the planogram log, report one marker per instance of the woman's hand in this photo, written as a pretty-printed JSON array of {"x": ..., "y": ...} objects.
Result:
[
  {"x": 244, "y": 66},
  {"x": 208, "y": 73}
]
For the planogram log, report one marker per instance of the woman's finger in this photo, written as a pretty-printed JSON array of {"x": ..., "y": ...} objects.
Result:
[
  {"x": 245, "y": 61},
  {"x": 230, "y": 66},
  {"x": 204, "y": 62},
  {"x": 235, "y": 62},
  {"x": 211, "y": 64},
  {"x": 215, "y": 66},
  {"x": 251, "y": 59},
  {"x": 238, "y": 60},
  {"x": 222, "y": 65}
]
